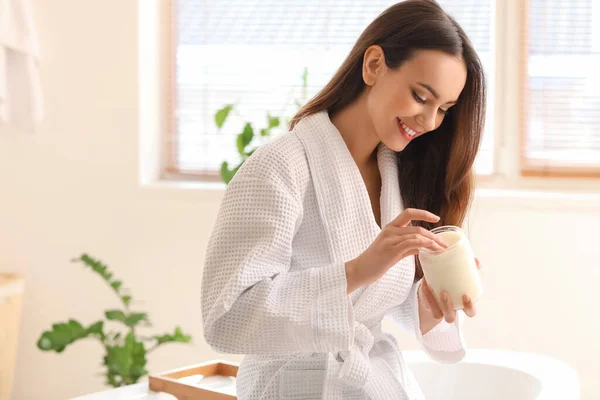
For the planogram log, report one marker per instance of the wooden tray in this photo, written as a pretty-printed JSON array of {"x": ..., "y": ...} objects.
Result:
[{"x": 167, "y": 382}]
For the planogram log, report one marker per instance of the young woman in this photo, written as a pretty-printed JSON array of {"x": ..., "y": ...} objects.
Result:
[{"x": 316, "y": 237}]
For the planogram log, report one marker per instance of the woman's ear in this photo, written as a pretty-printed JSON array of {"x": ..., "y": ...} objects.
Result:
[{"x": 373, "y": 64}]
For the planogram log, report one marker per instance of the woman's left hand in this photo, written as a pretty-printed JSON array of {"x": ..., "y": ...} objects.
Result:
[{"x": 447, "y": 311}]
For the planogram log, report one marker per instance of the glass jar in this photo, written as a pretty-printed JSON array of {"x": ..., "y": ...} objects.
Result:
[{"x": 452, "y": 269}]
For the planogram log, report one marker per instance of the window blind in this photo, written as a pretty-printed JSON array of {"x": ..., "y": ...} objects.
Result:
[
  {"x": 253, "y": 54},
  {"x": 562, "y": 87}
]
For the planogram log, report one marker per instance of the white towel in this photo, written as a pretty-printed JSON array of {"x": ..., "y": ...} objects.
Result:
[{"x": 21, "y": 99}]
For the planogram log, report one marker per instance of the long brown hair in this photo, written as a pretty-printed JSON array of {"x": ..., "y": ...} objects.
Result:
[{"x": 435, "y": 170}]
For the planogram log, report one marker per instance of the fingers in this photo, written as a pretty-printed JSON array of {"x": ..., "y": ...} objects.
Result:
[
  {"x": 468, "y": 306},
  {"x": 417, "y": 230},
  {"x": 449, "y": 313},
  {"x": 413, "y": 214},
  {"x": 412, "y": 244},
  {"x": 436, "y": 311}
]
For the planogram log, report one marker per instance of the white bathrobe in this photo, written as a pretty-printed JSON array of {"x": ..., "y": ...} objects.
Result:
[{"x": 274, "y": 285}]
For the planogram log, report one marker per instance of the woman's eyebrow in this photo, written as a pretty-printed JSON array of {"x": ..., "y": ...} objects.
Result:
[{"x": 434, "y": 93}]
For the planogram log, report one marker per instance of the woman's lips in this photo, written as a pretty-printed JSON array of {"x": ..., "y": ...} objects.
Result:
[{"x": 406, "y": 131}]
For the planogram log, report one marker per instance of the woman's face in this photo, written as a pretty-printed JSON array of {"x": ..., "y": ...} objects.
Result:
[{"x": 410, "y": 101}]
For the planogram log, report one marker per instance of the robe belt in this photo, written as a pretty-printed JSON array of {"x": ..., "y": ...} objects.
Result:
[
  {"x": 356, "y": 366},
  {"x": 355, "y": 370}
]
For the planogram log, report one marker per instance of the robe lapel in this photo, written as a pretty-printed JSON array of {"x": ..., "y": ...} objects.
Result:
[
  {"x": 345, "y": 207},
  {"x": 394, "y": 286},
  {"x": 342, "y": 196}
]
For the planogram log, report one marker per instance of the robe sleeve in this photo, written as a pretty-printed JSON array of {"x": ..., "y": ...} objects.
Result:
[
  {"x": 251, "y": 302},
  {"x": 444, "y": 343}
]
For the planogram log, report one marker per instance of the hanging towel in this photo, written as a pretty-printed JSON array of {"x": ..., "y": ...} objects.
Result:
[{"x": 21, "y": 99}]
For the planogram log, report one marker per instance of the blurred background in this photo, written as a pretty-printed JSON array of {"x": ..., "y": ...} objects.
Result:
[{"x": 148, "y": 107}]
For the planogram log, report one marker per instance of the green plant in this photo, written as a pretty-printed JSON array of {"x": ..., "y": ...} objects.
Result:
[
  {"x": 246, "y": 145},
  {"x": 125, "y": 358}
]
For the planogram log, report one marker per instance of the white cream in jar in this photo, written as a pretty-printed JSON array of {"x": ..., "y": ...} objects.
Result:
[{"x": 453, "y": 269}]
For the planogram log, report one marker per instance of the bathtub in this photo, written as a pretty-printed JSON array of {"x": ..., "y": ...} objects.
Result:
[
  {"x": 482, "y": 375},
  {"x": 495, "y": 375}
]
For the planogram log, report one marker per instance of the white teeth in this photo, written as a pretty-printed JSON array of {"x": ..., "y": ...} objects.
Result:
[{"x": 408, "y": 130}]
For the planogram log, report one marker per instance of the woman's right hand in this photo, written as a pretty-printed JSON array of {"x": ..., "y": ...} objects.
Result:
[{"x": 396, "y": 241}]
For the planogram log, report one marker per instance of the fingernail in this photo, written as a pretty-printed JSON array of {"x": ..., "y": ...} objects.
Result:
[
  {"x": 445, "y": 296},
  {"x": 466, "y": 299}
]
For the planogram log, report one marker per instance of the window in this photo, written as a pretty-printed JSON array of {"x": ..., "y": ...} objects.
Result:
[
  {"x": 253, "y": 53},
  {"x": 562, "y": 88}
]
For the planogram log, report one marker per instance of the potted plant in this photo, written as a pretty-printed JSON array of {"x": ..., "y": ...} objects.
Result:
[{"x": 125, "y": 350}]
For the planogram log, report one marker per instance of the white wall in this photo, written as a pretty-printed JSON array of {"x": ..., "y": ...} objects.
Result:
[{"x": 73, "y": 188}]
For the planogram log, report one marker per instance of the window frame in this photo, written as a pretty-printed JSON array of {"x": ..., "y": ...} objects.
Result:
[
  {"x": 171, "y": 171},
  {"x": 528, "y": 168},
  {"x": 511, "y": 169}
]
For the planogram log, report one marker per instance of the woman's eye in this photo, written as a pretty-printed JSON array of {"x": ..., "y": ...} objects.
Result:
[
  {"x": 417, "y": 98},
  {"x": 421, "y": 100}
]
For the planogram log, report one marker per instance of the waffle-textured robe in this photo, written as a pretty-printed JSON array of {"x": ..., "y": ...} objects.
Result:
[{"x": 274, "y": 284}]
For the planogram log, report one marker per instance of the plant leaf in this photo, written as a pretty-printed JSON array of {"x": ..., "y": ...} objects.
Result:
[
  {"x": 126, "y": 364},
  {"x": 97, "y": 329},
  {"x": 115, "y": 315},
  {"x": 264, "y": 132},
  {"x": 126, "y": 300},
  {"x": 101, "y": 269},
  {"x": 244, "y": 138},
  {"x": 63, "y": 334},
  {"x": 248, "y": 133},
  {"x": 131, "y": 319},
  {"x": 178, "y": 336},
  {"x": 134, "y": 319},
  {"x": 116, "y": 285},
  {"x": 226, "y": 173},
  {"x": 273, "y": 122},
  {"x": 95, "y": 265},
  {"x": 240, "y": 144},
  {"x": 222, "y": 114}
]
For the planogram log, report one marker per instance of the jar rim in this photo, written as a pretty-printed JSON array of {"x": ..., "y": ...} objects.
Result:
[{"x": 445, "y": 228}]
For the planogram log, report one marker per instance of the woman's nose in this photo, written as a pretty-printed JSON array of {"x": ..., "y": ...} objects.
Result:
[{"x": 426, "y": 121}]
